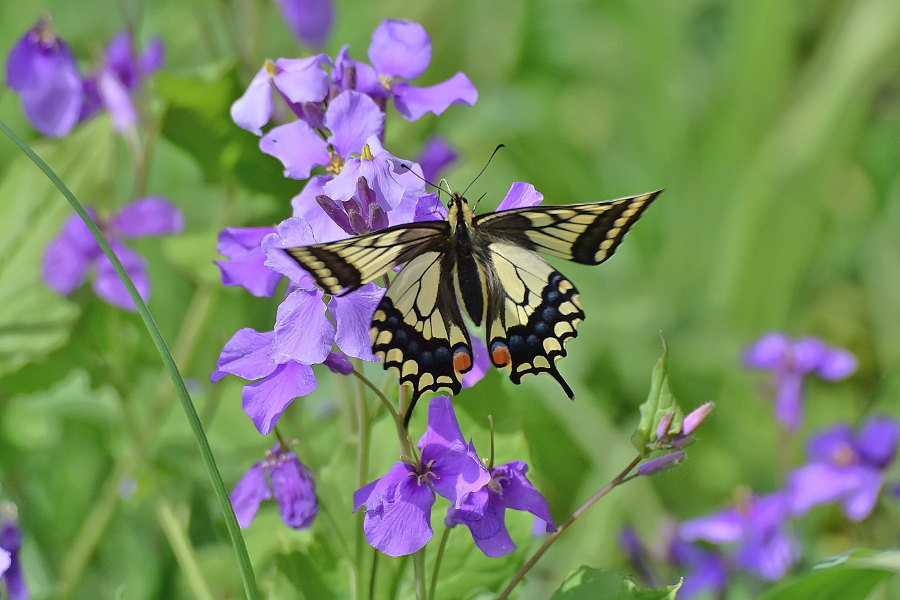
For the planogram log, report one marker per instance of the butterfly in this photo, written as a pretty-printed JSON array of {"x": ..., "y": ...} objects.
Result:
[{"x": 485, "y": 267}]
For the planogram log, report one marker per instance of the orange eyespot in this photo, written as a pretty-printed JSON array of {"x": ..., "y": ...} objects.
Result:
[
  {"x": 500, "y": 355},
  {"x": 462, "y": 361}
]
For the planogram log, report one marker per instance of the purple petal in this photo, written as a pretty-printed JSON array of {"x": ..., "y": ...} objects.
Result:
[
  {"x": 661, "y": 463},
  {"x": 120, "y": 59},
  {"x": 352, "y": 314},
  {"x": 768, "y": 352},
  {"x": 720, "y": 528},
  {"x": 831, "y": 445},
  {"x": 324, "y": 229},
  {"x": 246, "y": 355},
  {"x": 248, "y": 494},
  {"x": 254, "y": 108},
  {"x": 107, "y": 284},
  {"x": 435, "y": 157},
  {"x": 298, "y": 148},
  {"x": 117, "y": 100},
  {"x": 413, "y": 189},
  {"x": 295, "y": 491},
  {"x": 349, "y": 74},
  {"x": 486, "y": 523},
  {"x": 152, "y": 57},
  {"x": 379, "y": 173},
  {"x": 442, "y": 433},
  {"x": 302, "y": 331},
  {"x": 302, "y": 79},
  {"x": 246, "y": 264},
  {"x": 412, "y": 102},
  {"x": 519, "y": 494},
  {"x": 481, "y": 363},
  {"x": 352, "y": 118},
  {"x": 808, "y": 353},
  {"x": 771, "y": 557},
  {"x": 291, "y": 232},
  {"x": 398, "y": 511},
  {"x": 836, "y": 364},
  {"x": 265, "y": 400},
  {"x": 707, "y": 571},
  {"x": 400, "y": 48},
  {"x": 520, "y": 195},
  {"x": 877, "y": 441},
  {"x": 789, "y": 399},
  {"x": 430, "y": 208},
  {"x": 65, "y": 264},
  {"x": 148, "y": 216},
  {"x": 11, "y": 541},
  {"x": 338, "y": 363},
  {"x": 5, "y": 560},
  {"x": 310, "y": 20},
  {"x": 820, "y": 483},
  {"x": 860, "y": 504},
  {"x": 696, "y": 417}
]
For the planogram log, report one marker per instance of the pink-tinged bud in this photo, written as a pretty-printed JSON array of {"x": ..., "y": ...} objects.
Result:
[
  {"x": 662, "y": 463},
  {"x": 695, "y": 417},
  {"x": 662, "y": 428}
]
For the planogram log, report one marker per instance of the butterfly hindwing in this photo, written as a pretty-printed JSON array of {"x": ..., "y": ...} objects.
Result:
[
  {"x": 532, "y": 312},
  {"x": 586, "y": 233},
  {"x": 418, "y": 329},
  {"x": 351, "y": 263}
]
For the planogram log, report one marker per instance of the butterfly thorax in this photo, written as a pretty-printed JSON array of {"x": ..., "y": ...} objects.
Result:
[{"x": 466, "y": 256}]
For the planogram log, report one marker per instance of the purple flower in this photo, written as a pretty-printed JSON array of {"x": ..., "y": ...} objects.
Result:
[
  {"x": 845, "y": 467},
  {"x": 245, "y": 266},
  {"x": 310, "y": 20},
  {"x": 70, "y": 255},
  {"x": 298, "y": 81},
  {"x": 398, "y": 505},
  {"x": 401, "y": 50},
  {"x": 790, "y": 361},
  {"x": 757, "y": 528},
  {"x": 288, "y": 480},
  {"x": 705, "y": 571},
  {"x": 10, "y": 567},
  {"x": 484, "y": 511},
  {"x": 42, "y": 69},
  {"x": 436, "y": 155},
  {"x": 351, "y": 117}
]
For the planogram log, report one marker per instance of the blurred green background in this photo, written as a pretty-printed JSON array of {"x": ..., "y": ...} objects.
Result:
[{"x": 773, "y": 125}]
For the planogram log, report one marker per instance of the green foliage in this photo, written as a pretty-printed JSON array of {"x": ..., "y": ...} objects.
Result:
[
  {"x": 586, "y": 583},
  {"x": 659, "y": 403},
  {"x": 851, "y": 576}
]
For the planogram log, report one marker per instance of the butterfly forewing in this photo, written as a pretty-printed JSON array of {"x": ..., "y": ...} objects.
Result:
[
  {"x": 532, "y": 313},
  {"x": 418, "y": 329},
  {"x": 351, "y": 263},
  {"x": 585, "y": 233}
]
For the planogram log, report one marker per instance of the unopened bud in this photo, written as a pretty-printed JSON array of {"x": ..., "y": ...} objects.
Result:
[
  {"x": 695, "y": 417},
  {"x": 662, "y": 463}
]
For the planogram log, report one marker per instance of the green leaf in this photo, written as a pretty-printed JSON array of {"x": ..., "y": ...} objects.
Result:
[
  {"x": 33, "y": 214},
  {"x": 659, "y": 402},
  {"x": 197, "y": 120},
  {"x": 829, "y": 584},
  {"x": 862, "y": 558},
  {"x": 589, "y": 584}
]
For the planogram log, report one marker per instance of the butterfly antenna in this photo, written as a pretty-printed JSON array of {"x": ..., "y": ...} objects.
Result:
[
  {"x": 484, "y": 168},
  {"x": 477, "y": 202},
  {"x": 437, "y": 187}
]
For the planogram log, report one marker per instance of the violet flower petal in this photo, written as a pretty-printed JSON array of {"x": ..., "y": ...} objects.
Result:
[
  {"x": 338, "y": 363},
  {"x": 481, "y": 363},
  {"x": 65, "y": 265},
  {"x": 352, "y": 314},
  {"x": 148, "y": 216},
  {"x": 248, "y": 494},
  {"x": 836, "y": 364},
  {"x": 255, "y": 106},
  {"x": 719, "y": 528},
  {"x": 429, "y": 208},
  {"x": 352, "y": 118},
  {"x": 310, "y": 20},
  {"x": 246, "y": 264},
  {"x": 302, "y": 331},
  {"x": 860, "y": 504},
  {"x": 246, "y": 355},
  {"x": 486, "y": 523},
  {"x": 110, "y": 288},
  {"x": 291, "y": 232},
  {"x": 297, "y": 146},
  {"x": 877, "y": 441},
  {"x": 520, "y": 195},
  {"x": 302, "y": 79},
  {"x": 768, "y": 352},
  {"x": 265, "y": 400},
  {"x": 400, "y": 48},
  {"x": 295, "y": 491},
  {"x": 117, "y": 100},
  {"x": 819, "y": 483},
  {"x": 436, "y": 155},
  {"x": 412, "y": 102},
  {"x": 520, "y": 494},
  {"x": 827, "y": 446}
]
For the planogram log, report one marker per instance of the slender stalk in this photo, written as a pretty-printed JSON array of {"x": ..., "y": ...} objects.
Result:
[
  {"x": 432, "y": 589},
  {"x": 362, "y": 459},
  {"x": 218, "y": 485},
  {"x": 183, "y": 549},
  {"x": 618, "y": 479},
  {"x": 372, "y": 574},
  {"x": 419, "y": 563}
]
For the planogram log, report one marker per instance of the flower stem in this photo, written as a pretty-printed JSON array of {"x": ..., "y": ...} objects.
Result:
[
  {"x": 419, "y": 563},
  {"x": 362, "y": 458},
  {"x": 437, "y": 563},
  {"x": 618, "y": 479}
]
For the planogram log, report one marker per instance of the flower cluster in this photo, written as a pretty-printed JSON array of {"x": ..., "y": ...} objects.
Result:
[
  {"x": 844, "y": 468},
  {"x": 339, "y": 105},
  {"x": 74, "y": 252},
  {"x": 56, "y": 96},
  {"x": 398, "y": 505}
]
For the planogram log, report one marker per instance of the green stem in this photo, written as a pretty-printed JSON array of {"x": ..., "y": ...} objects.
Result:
[
  {"x": 183, "y": 549},
  {"x": 617, "y": 480},
  {"x": 419, "y": 563},
  {"x": 437, "y": 563},
  {"x": 372, "y": 573},
  {"x": 362, "y": 458},
  {"x": 218, "y": 485}
]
